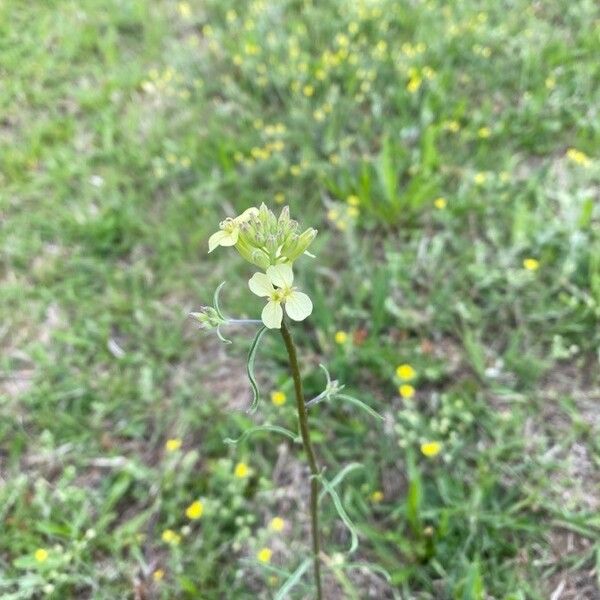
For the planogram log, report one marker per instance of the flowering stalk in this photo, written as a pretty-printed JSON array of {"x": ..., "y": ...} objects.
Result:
[
  {"x": 273, "y": 244},
  {"x": 310, "y": 454}
]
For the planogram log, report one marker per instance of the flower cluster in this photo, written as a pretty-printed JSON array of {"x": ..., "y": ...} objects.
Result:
[{"x": 273, "y": 244}]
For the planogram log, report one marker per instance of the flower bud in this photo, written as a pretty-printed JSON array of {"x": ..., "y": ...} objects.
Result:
[
  {"x": 296, "y": 247},
  {"x": 208, "y": 317}
]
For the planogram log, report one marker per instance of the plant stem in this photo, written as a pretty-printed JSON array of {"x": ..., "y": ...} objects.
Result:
[{"x": 310, "y": 454}]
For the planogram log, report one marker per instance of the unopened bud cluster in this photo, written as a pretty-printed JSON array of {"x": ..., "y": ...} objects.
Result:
[
  {"x": 209, "y": 317},
  {"x": 263, "y": 239}
]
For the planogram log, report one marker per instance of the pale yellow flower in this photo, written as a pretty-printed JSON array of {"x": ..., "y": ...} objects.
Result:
[
  {"x": 297, "y": 304},
  {"x": 158, "y": 575},
  {"x": 230, "y": 230},
  {"x": 440, "y": 203}
]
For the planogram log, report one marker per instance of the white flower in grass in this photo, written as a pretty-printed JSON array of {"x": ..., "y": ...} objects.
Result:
[
  {"x": 230, "y": 230},
  {"x": 297, "y": 304}
]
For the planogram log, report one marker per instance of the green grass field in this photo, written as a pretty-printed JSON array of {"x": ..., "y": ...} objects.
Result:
[{"x": 448, "y": 153}]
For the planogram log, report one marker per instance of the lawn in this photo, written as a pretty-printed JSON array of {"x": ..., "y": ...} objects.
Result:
[{"x": 449, "y": 155}]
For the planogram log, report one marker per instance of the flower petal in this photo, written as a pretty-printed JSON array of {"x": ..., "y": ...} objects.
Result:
[
  {"x": 260, "y": 285},
  {"x": 231, "y": 238},
  {"x": 247, "y": 214},
  {"x": 281, "y": 275},
  {"x": 272, "y": 314},
  {"x": 298, "y": 306},
  {"x": 222, "y": 238},
  {"x": 215, "y": 240}
]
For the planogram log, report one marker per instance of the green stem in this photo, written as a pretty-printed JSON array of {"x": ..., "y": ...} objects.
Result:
[{"x": 310, "y": 454}]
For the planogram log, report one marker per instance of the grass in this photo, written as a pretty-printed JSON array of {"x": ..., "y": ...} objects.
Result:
[{"x": 130, "y": 128}]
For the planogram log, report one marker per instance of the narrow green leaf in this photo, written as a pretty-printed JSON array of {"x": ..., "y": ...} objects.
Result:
[
  {"x": 360, "y": 405},
  {"x": 221, "y": 337},
  {"x": 342, "y": 514},
  {"x": 250, "y": 369},
  {"x": 216, "y": 300},
  {"x": 341, "y": 475},
  {"x": 260, "y": 428},
  {"x": 292, "y": 580}
]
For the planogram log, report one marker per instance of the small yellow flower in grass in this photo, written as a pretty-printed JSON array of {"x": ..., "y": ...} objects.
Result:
[
  {"x": 278, "y": 398},
  {"x": 173, "y": 444},
  {"x": 185, "y": 10},
  {"x": 377, "y": 497},
  {"x": 264, "y": 555},
  {"x": 194, "y": 510},
  {"x": 453, "y": 126},
  {"x": 333, "y": 214},
  {"x": 319, "y": 115},
  {"x": 341, "y": 337},
  {"x": 440, "y": 203},
  {"x": 158, "y": 575},
  {"x": 406, "y": 372},
  {"x": 241, "y": 470},
  {"x": 531, "y": 264},
  {"x": 480, "y": 178},
  {"x": 308, "y": 90},
  {"x": 406, "y": 391},
  {"x": 353, "y": 200},
  {"x": 353, "y": 212},
  {"x": 550, "y": 82},
  {"x": 277, "y": 524},
  {"x": 170, "y": 537},
  {"x": 484, "y": 132},
  {"x": 280, "y": 197},
  {"x": 578, "y": 157},
  {"x": 414, "y": 84},
  {"x": 41, "y": 555},
  {"x": 431, "y": 449}
]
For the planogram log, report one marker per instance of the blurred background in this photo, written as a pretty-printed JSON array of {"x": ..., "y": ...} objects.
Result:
[{"x": 448, "y": 154}]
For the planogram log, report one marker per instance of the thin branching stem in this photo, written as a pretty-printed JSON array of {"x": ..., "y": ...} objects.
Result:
[{"x": 310, "y": 455}]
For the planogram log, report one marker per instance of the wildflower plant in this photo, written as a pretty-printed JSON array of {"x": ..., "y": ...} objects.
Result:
[{"x": 274, "y": 244}]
